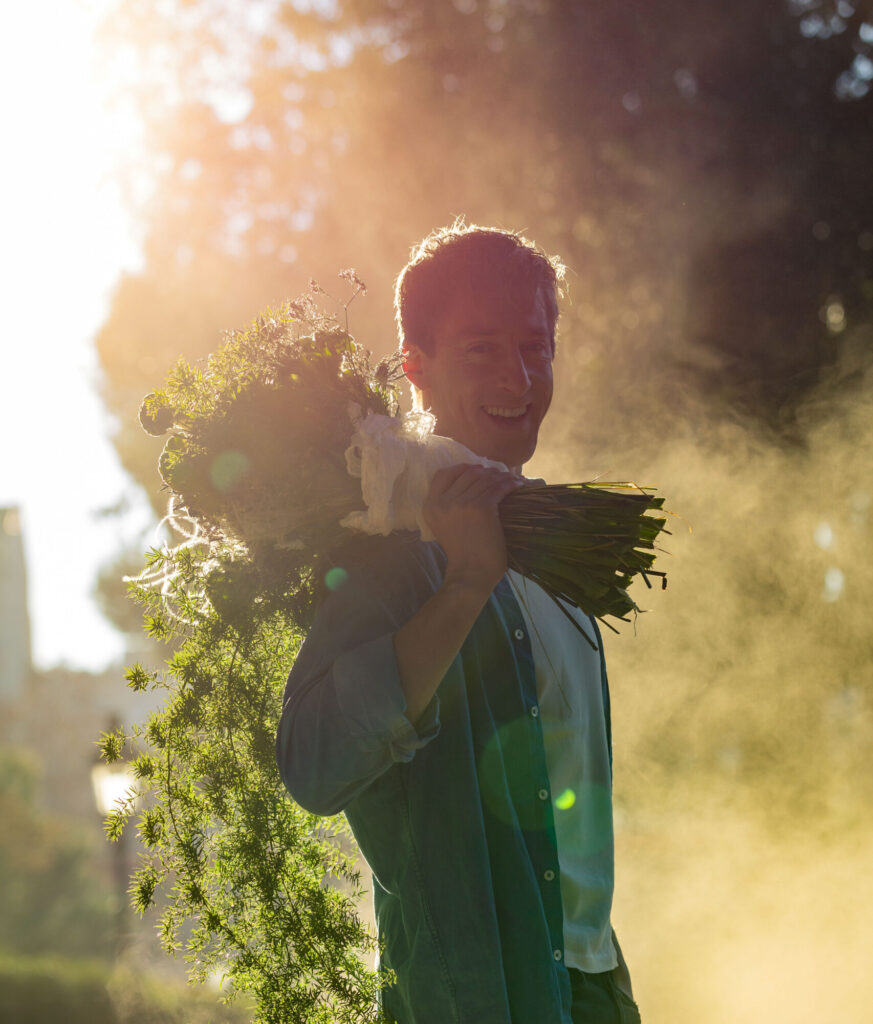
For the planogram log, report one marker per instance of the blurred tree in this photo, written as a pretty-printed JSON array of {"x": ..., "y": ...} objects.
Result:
[
  {"x": 845, "y": 27},
  {"x": 695, "y": 168},
  {"x": 50, "y": 900}
]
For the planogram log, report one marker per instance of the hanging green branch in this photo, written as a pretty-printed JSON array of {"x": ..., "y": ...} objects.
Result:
[{"x": 266, "y": 887}]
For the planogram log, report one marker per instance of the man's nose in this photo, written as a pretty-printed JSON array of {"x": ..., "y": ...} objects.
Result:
[{"x": 514, "y": 375}]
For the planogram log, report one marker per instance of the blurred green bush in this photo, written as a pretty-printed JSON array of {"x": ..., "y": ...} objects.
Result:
[
  {"x": 38, "y": 990},
  {"x": 51, "y": 898}
]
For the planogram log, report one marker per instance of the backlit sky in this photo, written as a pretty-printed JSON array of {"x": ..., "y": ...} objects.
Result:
[{"x": 64, "y": 242}]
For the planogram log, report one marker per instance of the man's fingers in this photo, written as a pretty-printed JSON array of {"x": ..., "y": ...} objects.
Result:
[
  {"x": 469, "y": 485},
  {"x": 445, "y": 479},
  {"x": 492, "y": 485},
  {"x": 495, "y": 488},
  {"x": 456, "y": 481}
]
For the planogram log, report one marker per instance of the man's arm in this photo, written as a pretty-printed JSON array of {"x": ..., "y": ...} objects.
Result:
[
  {"x": 348, "y": 717},
  {"x": 461, "y": 510}
]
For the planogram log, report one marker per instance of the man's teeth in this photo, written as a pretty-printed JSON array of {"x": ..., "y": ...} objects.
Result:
[{"x": 494, "y": 410}]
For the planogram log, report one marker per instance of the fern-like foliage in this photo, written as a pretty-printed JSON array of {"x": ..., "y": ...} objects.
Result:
[{"x": 250, "y": 886}]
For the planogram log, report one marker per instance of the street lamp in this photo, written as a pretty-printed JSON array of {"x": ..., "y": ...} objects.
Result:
[{"x": 112, "y": 785}]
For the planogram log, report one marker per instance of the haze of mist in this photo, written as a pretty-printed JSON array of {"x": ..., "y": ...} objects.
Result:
[
  {"x": 742, "y": 721},
  {"x": 708, "y": 185}
]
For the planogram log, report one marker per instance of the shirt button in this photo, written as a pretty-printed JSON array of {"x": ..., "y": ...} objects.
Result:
[
  {"x": 549, "y": 875},
  {"x": 534, "y": 711},
  {"x": 543, "y": 794},
  {"x": 558, "y": 955},
  {"x": 519, "y": 634}
]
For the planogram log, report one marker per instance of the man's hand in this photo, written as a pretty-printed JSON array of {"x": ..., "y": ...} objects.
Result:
[{"x": 461, "y": 510}]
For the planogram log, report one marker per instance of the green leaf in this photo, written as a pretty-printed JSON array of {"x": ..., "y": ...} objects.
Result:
[
  {"x": 111, "y": 745},
  {"x": 143, "y": 885},
  {"x": 138, "y": 679}
]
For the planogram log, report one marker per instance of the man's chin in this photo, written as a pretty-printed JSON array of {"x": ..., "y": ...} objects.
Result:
[
  {"x": 512, "y": 452},
  {"x": 513, "y": 456}
]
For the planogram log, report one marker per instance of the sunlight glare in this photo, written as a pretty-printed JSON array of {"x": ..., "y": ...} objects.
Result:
[
  {"x": 833, "y": 585},
  {"x": 65, "y": 242},
  {"x": 824, "y": 536}
]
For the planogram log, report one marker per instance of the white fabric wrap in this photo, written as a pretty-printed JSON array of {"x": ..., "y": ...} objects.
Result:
[{"x": 396, "y": 459}]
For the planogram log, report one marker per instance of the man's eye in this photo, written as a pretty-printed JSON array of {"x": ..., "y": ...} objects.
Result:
[{"x": 540, "y": 349}]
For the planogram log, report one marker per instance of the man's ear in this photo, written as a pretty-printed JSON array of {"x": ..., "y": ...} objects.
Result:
[{"x": 413, "y": 366}]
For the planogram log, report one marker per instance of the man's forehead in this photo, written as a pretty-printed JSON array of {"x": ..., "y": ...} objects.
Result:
[
  {"x": 493, "y": 310},
  {"x": 531, "y": 325}
]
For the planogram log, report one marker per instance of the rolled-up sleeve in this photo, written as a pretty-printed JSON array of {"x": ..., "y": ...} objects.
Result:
[
  {"x": 377, "y": 711},
  {"x": 344, "y": 718}
]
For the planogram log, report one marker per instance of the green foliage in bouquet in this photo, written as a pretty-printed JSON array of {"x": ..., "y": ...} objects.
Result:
[{"x": 255, "y": 455}]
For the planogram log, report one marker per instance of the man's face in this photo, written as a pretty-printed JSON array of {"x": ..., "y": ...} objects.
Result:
[{"x": 488, "y": 381}]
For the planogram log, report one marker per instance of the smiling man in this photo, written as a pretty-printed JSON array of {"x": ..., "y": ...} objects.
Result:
[
  {"x": 484, "y": 367},
  {"x": 449, "y": 708}
]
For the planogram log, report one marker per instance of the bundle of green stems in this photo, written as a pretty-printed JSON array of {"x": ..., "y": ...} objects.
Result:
[{"x": 584, "y": 543}]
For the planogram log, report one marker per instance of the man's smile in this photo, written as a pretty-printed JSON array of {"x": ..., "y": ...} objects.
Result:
[{"x": 506, "y": 413}]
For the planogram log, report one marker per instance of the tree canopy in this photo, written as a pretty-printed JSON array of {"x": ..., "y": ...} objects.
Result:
[{"x": 698, "y": 170}]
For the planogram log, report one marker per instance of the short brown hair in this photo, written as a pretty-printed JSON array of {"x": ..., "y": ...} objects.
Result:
[{"x": 468, "y": 252}]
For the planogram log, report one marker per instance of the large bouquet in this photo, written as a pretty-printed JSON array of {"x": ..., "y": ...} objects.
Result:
[{"x": 290, "y": 442}]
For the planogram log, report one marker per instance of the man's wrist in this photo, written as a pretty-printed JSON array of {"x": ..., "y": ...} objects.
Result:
[{"x": 468, "y": 586}]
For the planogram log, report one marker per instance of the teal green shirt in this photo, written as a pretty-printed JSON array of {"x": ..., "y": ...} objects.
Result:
[{"x": 454, "y": 815}]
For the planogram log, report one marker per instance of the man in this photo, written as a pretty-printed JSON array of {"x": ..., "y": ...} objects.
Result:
[{"x": 449, "y": 708}]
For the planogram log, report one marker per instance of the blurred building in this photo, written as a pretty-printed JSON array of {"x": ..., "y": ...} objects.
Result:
[
  {"x": 55, "y": 715},
  {"x": 50, "y": 720},
  {"x": 15, "y": 663}
]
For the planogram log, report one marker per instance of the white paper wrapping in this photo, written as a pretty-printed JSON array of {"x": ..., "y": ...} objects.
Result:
[{"x": 395, "y": 459}]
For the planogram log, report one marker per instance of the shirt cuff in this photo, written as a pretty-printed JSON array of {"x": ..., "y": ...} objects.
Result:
[{"x": 371, "y": 699}]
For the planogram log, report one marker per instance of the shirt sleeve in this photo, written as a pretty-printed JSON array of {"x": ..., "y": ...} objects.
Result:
[{"x": 344, "y": 718}]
